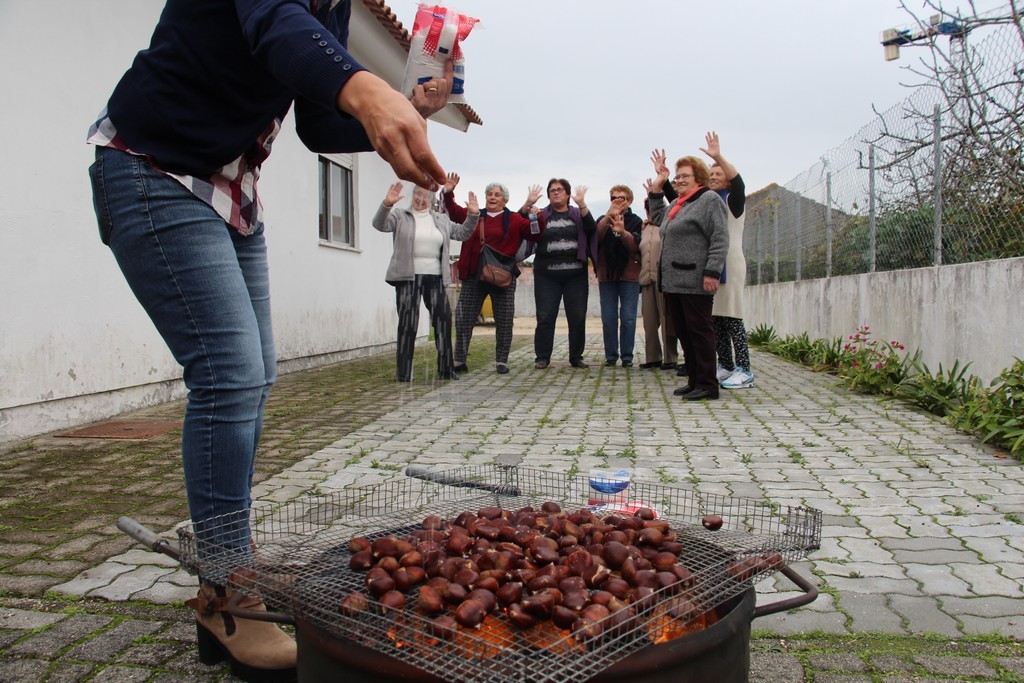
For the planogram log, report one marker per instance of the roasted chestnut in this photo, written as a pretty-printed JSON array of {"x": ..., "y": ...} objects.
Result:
[
  {"x": 361, "y": 560},
  {"x": 485, "y": 598},
  {"x": 392, "y": 600},
  {"x": 358, "y": 544},
  {"x": 470, "y": 613},
  {"x": 354, "y": 603},
  {"x": 443, "y": 628},
  {"x": 519, "y": 617},
  {"x": 429, "y": 600},
  {"x": 711, "y": 522}
]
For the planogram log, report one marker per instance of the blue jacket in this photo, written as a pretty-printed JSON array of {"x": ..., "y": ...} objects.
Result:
[{"x": 218, "y": 72}]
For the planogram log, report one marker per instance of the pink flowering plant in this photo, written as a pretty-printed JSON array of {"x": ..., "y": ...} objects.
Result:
[{"x": 872, "y": 366}]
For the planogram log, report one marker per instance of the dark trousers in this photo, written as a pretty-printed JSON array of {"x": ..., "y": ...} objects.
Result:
[
  {"x": 430, "y": 289},
  {"x": 471, "y": 300},
  {"x": 691, "y": 315},
  {"x": 550, "y": 290}
]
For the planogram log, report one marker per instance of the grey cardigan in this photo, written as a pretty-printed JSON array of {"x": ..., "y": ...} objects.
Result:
[
  {"x": 402, "y": 223},
  {"x": 694, "y": 242}
]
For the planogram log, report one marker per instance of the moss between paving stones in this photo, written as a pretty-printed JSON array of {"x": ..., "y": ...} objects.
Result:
[
  {"x": 44, "y": 516},
  {"x": 885, "y": 656}
]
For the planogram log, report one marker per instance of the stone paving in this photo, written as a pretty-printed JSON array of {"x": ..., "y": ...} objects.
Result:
[{"x": 922, "y": 539}]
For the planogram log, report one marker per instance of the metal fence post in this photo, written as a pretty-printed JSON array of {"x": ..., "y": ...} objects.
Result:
[
  {"x": 872, "y": 227},
  {"x": 759, "y": 244},
  {"x": 775, "y": 224},
  {"x": 828, "y": 224},
  {"x": 799, "y": 235},
  {"x": 937, "y": 180}
]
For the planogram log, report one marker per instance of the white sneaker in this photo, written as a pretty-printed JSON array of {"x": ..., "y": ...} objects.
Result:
[
  {"x": 741, "y": 379},
  {"x": 724, "y": 374}
]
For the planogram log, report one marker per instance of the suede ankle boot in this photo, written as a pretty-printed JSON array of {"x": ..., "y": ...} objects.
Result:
[{"x": 259, "y": 651}]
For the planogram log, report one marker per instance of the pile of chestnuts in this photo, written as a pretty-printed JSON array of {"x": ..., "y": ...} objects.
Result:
[{"x": 589, "y": 574}]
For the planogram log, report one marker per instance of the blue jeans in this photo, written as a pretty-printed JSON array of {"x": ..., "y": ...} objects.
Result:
[
  {"x": 618, "y": 318},
  {"x": 549, "y": 291},
  {"x": 206, "y": 289}
]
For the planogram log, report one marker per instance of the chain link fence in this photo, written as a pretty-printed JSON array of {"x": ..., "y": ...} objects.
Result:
[{"x": 937, "y": 179}]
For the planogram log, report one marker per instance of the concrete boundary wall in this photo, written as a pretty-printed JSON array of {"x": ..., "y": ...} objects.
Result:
[{"x": 971, "y": 312}]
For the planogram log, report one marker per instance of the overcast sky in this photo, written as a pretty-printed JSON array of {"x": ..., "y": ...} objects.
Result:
[{"x": 586, "y": 89}]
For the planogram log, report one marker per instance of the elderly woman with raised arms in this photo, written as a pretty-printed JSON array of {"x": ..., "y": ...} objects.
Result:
[
  {"x": 694, "y": 243},
  {"x": 419, "y": 270}
]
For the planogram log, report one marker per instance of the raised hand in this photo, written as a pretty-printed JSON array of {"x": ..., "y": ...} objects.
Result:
[
  {"x": 472, "y": 205},
  {"x": 658, "y": 157},
  {"x": 648, "y": 186},
  {"x": 660, "y": 168},
  {"x": 580, "y": 196},
  {"x": 432, "y": 96},
  {"x": 714, "y": 149},
  {"x": 618, "y": 224},
  {"x": 394, "y": 195},
  {"x": 450, "y": 182},
  {"x": 535, "y": 192}
]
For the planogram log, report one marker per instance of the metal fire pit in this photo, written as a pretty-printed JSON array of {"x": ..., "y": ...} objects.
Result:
[{"x": 301, "y": 568}]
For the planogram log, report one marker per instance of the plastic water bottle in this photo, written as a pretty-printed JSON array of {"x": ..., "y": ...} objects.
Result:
[{"x": 609, "y": 488}]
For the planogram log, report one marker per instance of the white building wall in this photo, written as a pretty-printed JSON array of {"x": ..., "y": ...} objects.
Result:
[{"x": 75, "y": 346}]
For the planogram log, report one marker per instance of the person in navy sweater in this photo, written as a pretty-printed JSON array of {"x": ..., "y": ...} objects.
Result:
[{"x": 179, "y": 149}]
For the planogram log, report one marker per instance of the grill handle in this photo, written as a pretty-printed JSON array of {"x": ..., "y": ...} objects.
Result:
[
  {"x": 809, "y": 596},
  {"x": 450, "y": 479},
  {"x": 148, "y": 538},
  {"x": 239, "y": 612}
]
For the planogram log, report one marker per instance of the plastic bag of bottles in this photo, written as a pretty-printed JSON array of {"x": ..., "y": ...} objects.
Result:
[{"x": 436, "y": 37}]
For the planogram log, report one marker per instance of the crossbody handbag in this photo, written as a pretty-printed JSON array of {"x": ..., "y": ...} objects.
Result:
[{"x": 496, "y": 269}]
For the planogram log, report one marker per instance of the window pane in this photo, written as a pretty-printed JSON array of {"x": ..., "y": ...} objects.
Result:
[
  {"x": 324, "y": 232},
  {"x": 337, "y": 204}
]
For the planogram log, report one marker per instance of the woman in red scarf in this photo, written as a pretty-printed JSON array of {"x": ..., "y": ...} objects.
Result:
[{"x": 694, "y": 242}]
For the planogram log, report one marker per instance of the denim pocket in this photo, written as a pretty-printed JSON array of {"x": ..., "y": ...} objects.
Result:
[{"x": 99, "y": 199}]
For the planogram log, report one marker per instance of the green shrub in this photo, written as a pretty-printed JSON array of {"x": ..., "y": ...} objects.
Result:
[
  {"x": 795, "y": 348},
  {"x": 826, "y": 354},
  {"x": 761, "y": 335},
  {"x": 998, "y": 412},
  {"x": 942, "y": 393}
]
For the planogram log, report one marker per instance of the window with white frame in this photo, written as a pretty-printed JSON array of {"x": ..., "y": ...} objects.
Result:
[{"x": 337, "y": 208}]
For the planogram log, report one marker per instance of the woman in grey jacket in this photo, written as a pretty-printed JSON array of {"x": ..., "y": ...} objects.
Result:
[
  {"x": 420, "y": 269},
  {"x": 694, "y": 242}
]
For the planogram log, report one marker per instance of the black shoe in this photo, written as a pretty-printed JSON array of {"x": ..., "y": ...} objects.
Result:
[
  {"x": 454, "y": 376},
  {"x": 541, "y": 364},
  {"x": 404, "y": 379},
  {"x": 681, "y": 372},
  {"x": 579, "y": 363},
  {"x": 683, "y": 391},
  {"x": 610, "y": 363},
  {"x": 502, "y": 368},
  {"x": 668, "y": 366},
  {"x": 649, "y": 365},
  {"x": 701, "y": 394},
  {"x": 627, "y": 363},
  {"x": 460, "y": 367}
]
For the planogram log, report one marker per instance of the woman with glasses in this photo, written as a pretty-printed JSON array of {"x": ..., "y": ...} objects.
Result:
[
  {"x": 694, "y": 243},
  {"x": 618, "y": 275},
  {"x": 560, "y": 269}
]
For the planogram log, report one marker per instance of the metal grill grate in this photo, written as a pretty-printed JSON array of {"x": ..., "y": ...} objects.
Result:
[{"x": 301, "y": 566}]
